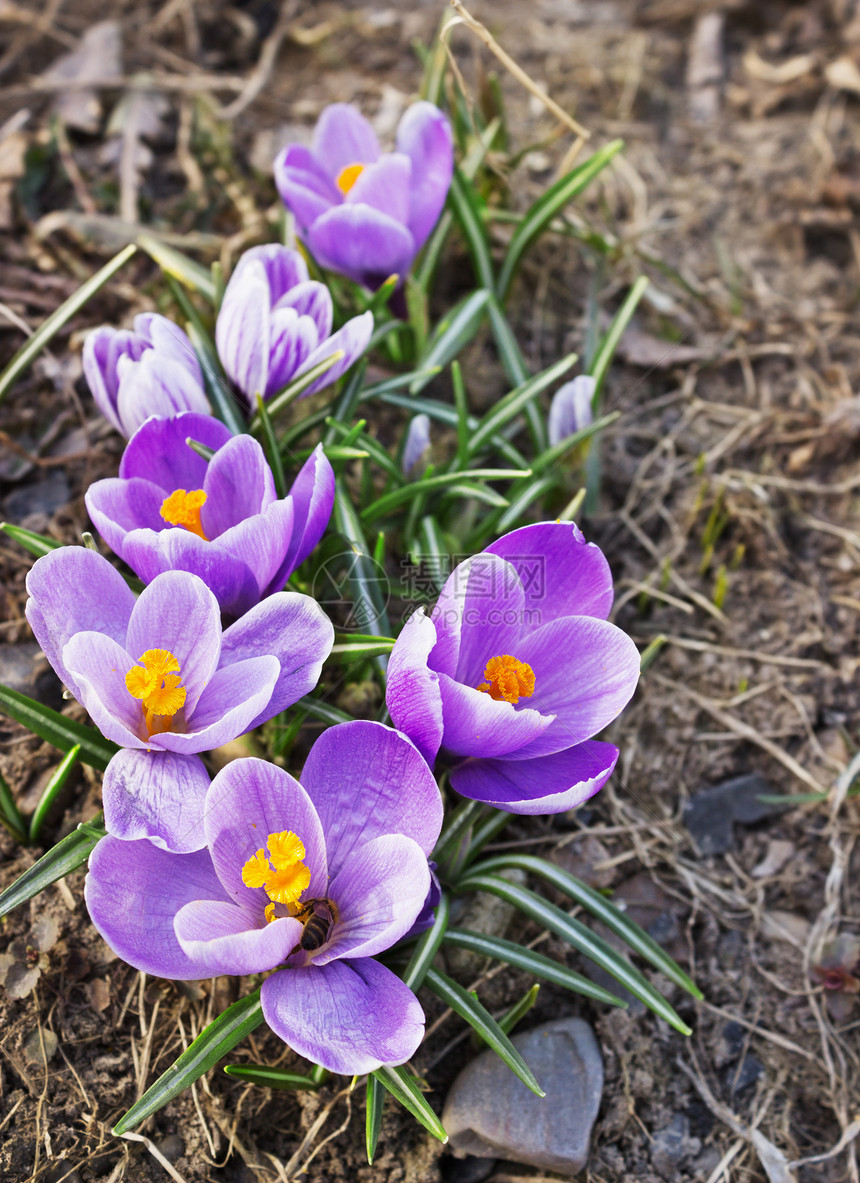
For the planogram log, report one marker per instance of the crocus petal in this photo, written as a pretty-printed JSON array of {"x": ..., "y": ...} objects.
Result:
[
  {"x": 178, "y": 612},
  {"x": 156, "y": 795},
  {"x": 385, "y": 186},
  {"x": 247, "y": 801},
  {"x": 74, "y": 590},
  {"x": 227, "y": 576},
  {"x": 238, "y": 484},
  {"x": 103, "y": 348},
  {"x": 417, "y": 441},
  {"x": 351, "y": 340},
  {"x": 379, "y": 891},
  {"x": 305, "y": 188},
  {"x": 117, "y": 506},
  {"x": 479, "y": 615},
  {"x": 413, "y": 696},
  {"x": 233, "y": 697},
  {"x": 292, "y": 339},
  {"x": 424, "y": 134},
  {"x": 585, "y": 672},
  {"x": 562, "y": 574},
  {"x": 477, "y": 725},
  {"x": 158, "y": 452},
  {"x": 156, "y": 385},
  {"x": 283, "y": 265},
  {"x": 168, "y": 340},
  {"x": 295, "y": 629},
  {"x": 242, "y": 329},
  {"x": 133, "y": 892},
  {"x": 341, "y": 137},
  {"x": 361, "y": 243},
  {"x": 350, "y": 1017},
  {"x": 259, "y": 542},
  {"x": 383, "y": 770},
  {"x": 312, "y": 299},
  {"x": 312, "y": 498},
  {"x": 98, "y": 666},
  {"x": 222, "y": 934},
  {"x": 546, "y": 784},
  {"x": 571, "y": 409}
]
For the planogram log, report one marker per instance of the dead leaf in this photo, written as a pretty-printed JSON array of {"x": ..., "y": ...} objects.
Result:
[
  {"x": 97, "y": 59},
  {"x": 98, "y": 993},
  {"x": 843, "y": 74},
  {"x": 782, "y": 73}
]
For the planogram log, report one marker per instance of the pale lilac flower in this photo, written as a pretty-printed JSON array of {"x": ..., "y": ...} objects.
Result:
[
  {"x": 571, "y": 408},
  {"x": 310, "y": 880},
  {"x": 417, "y": 441},
  {"x": 160, "y": 677},
  {"x": 152, "y": 370},
  {"x": 362, "y": 212},
  {"x": 275, "y": 325},
  {"x": 221, "y": 519}
]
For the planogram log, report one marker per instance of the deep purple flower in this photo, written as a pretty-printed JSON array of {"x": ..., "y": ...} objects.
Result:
[
  {"x": 310, "y": 880},
  {"x": 275, "y": 325},
  {"x": 159, "y": 677},
  {"x": 515, "y": 670},
  {"x": 169, "y": 509},
  {"x": 364, "y": 213},
  {"x": 571, "y": 408},
  {"x": 150, "y": 371}
]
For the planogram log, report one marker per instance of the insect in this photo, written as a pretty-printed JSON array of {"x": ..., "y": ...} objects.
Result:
[{"x": 317, "y": 916}]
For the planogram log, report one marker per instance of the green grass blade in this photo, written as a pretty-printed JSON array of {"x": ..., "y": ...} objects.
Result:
[
  {"x": 56, "y": 729},
  {"x": 482, "y": 493},
  {"x": 609, "y": 343},
  {"x": 271, "y": 447},
  {"x": 451, "y": 334},
  {"x": 220, "y": 1037},
  {"x": 578, "y": 935},
  {"x": 10, "y": 814},
  {"x": 599, "y": 906},
  {"x": 513, "y": 403},
  {"x": 324, "y": 711},
  {"x": 49, "y": 328},
  {"x": 360, "y": 648},
  {"x": 519, "y": 1010},
  {"x": 272, "y": 1078},
  {"x": 36, "y": 544},
  {"x": 480, "y": 1020},
  {"x": 533, "y": 963},
  {"x": 296, "y": 389},
  {"x": 517, "y": 371},
  {"x": 398, "y": 497},
  {"x": 427, "y": 947},
  {"x": 54, "y": 786},
  {"x": 551, "y": 457},
  {"x": 60, "y": 860},
  {"x": 403, "y": 1088},
  {"x": 373, "y": 1123},
  {"x": 550, "y": 203},
  {"x": 513, "y": 512},
  {"x": 445, "y": 413},
  {"x": 172, "y": 262},
  {"x": 230, "y": 408},
  {"x": 364, "y": 574},
  {"x": 467, "y": 207}
]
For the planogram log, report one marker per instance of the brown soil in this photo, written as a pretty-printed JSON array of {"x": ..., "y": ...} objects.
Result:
[{"x": 729, "y": 488}]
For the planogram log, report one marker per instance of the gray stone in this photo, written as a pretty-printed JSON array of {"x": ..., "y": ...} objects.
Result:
[
  {"x": 710, "y": 815},
  {"x": 25, "y": 668},
  {"x": 45, "y": 495},
  {"x": 490, "y": 1113},
  {"x": 466, "y": 1170},
  {"x": 672, "y": 1145}
]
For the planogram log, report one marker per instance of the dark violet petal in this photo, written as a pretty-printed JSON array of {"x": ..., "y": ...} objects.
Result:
[
  {"x": 284, "y": 266},
  {"x": 361, "y": 243},
  {"x": 585, "y": 673},
  {"x": 546, "y": 784},
  {"x": 178, "y": 612},
  {"x": 342, "y": 137},
  {"x": 350, "y": 1017},
  {"x": 385, "y": 186},
  {"x": 98, "y": 666},
  {"x": 233, "y": 697},
  {"x": 238, "y": 484},
  {"x": 156, "y": 795},
  {"x": 311, "y": 299},
  {"x": 427, "y": 915},
  {"x": 117, "y": 506},
  {"x": 384, "y": 779},
  {"x": 292, "y": 338},
  {"x": 229, "y": 578},
  {"x": 479, "y": 615},
  {"x": 156, "y": 385},
  {"x": 351, "y": 340},
  {"x": 570, "y": 409},
  {"x": 295, "y": 629},
  {"x": 260, "y": 541},
  {"x": 413, "y": 696},
  {"x": 417, "y": 441},
  {"x": 222, "y": 934},
  {"x": 305, "y": 188},
  {"x": 379, "y": 891},
  {"x": 477, "y": 725},
  {"x": 312, "y": 499},
  {"x": 133, "y": 892},
  {"x": 242, "y": 328},
  {"x": 424, "y": 135},
  {"x": 73, "y": 590},
  {"x": 157, "y": 451},
  {"x": 562, "y": 574},
  {"x": 247, "y": 801},
  {"x": 168, "y": 340}
]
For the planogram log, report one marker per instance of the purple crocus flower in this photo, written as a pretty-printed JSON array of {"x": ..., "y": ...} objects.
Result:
[
  {"x": 160, "y": 678},
  {"x": 571, "y": 408},
  {"x": 364, "y": 213},
  {"x": 275, "y": 325},
  {"x": 310, "y": 880},
  {"x": 150, "y": 371},
  {"x": 417, "y": 441},
  {"x": 515, "y": 670},
  {"x": 169, "y": 509}
]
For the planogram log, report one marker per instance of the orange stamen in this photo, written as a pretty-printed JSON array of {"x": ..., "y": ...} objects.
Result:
[
  {"x": 347, "y": 177},
  {"x": 507, "y": 679},
  {"x": 182, "y": 508},
  {"x": 283, "y": 875},
  {"x": 157, "y": 681}
]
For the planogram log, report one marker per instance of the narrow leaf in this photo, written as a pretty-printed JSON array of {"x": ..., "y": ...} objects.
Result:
[
  {"x": 273, "y": 1078},
  {"x": 606, "y": 349},
  {"x": 403, "y": 1088},
  {"x": 296, "y": 389},
  {"x": 512, "y": 404},
  {"x": 479, "y": 1018},
  {"x": 10, "y": 814},
  {"x": 318, "y": 709},
  {"x": 220, "y": 1037},
  {"x": 56, "y": 729},
  {"x": 452, "y": 332},
  {"x": 363, "y": 575},
  {"x": 172, "y": 262},
  {"x": 53, "y": 787},
  {"x": 36, "y": 544},
  {"x": 445, "y": 413},
  {"x": 373, "y": 1122},
  {"x": 469, "y": 210},
  {"x": 399, "y": 497},
  {"x": 427, "y": 947},
  {"x": 60, "y": 860},
  {"x": 271, "y": 447},
  {"x": 519, "y": 1010}
]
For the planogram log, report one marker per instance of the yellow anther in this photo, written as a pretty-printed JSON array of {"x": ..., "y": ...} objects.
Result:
[
  {"x": 157, "y": 682},
  {"x": 283, "y": 875},
  {"x": 182, "y": 508},
  {"x": 507, "y": 679},
  {"x": 347, "y": 177}
]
